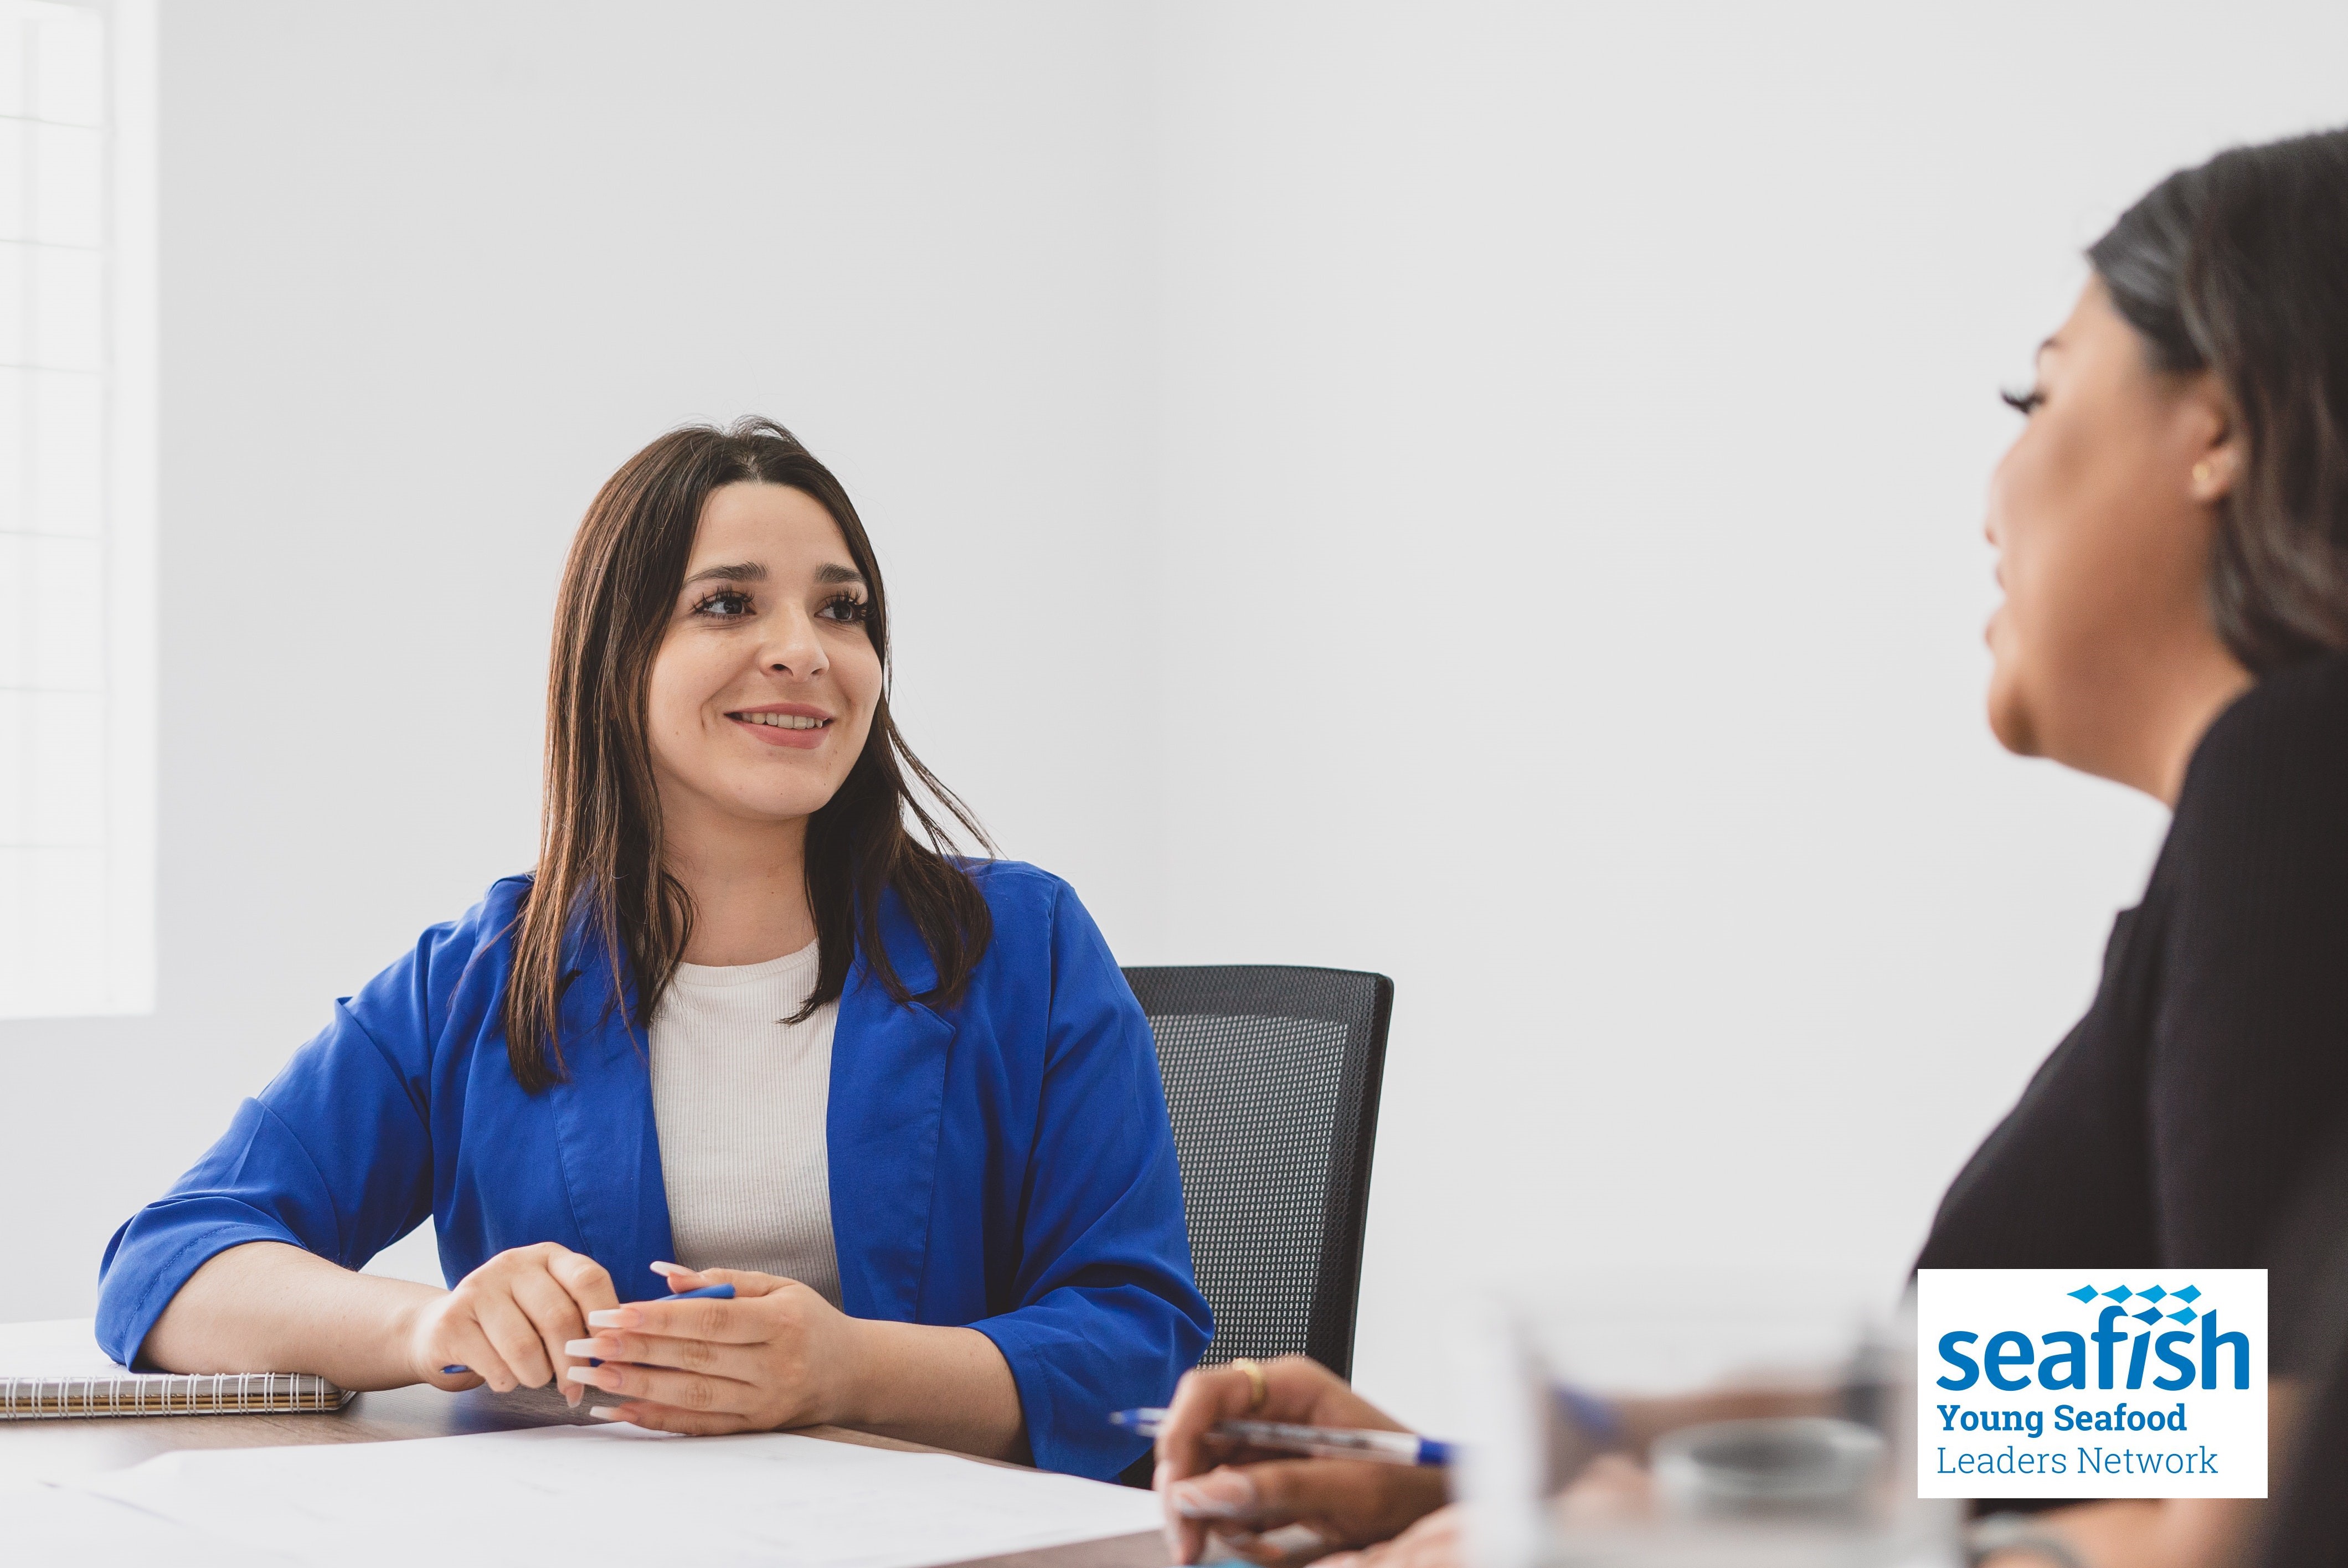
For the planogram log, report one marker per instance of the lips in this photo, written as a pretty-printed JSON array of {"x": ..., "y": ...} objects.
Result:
[{"x": 792, "y": 726}]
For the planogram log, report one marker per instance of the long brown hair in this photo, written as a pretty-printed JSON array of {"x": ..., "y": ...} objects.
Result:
[
  {"x": 599, "y": 870},
  {"x": 2237, "y": 266}
]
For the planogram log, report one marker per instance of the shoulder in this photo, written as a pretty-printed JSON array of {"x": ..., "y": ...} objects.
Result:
[
  {"x": 2282, "y": 742},
  {"x": 1019, "y": 894},
  {"x": 468, "y": 954},
  {"x": 489, "y": 924},
  {"x": 1044, "y": 936}
]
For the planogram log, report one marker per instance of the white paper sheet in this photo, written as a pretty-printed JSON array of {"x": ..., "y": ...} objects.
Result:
[
  {"x": 59, "y": 1347},
  {"x": 583, "y": 1496},
  {"x": 46, "y": 1524}
]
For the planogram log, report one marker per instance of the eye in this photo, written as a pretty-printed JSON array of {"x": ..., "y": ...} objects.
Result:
[
  {"x": 845, "y": 607},
  {"x": 726, "y": 604},
  {"x": 2024, "y": 403}
]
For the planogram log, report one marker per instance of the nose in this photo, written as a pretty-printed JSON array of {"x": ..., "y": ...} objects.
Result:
[{"x": 792, "y": 649}]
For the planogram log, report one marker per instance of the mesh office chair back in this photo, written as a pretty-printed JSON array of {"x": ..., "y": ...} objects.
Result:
[{"x": 1272, "y": 1078}]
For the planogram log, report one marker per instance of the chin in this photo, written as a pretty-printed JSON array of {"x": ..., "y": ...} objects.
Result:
[{"x": 2009, "y": 714}]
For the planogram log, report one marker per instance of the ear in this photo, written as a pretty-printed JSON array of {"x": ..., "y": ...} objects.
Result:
[{"x": 2218, "y": 451}]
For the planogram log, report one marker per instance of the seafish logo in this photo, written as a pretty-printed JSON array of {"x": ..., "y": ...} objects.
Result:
[{"x": 2032, "y": 1384}]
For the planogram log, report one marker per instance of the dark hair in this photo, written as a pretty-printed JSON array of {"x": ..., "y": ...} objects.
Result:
[
  {"x": 2241, "y": 268},
  {"x": 599, "y": 860}
]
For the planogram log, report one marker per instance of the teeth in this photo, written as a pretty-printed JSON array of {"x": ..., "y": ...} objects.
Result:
[{"x": 785, "y": 720}]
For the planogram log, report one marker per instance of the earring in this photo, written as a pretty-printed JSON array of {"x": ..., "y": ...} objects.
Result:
[{"x": 2201, "y": 472}]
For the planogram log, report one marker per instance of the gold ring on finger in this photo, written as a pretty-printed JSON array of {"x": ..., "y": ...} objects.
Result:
[{"x": 1259, "y": 1386}]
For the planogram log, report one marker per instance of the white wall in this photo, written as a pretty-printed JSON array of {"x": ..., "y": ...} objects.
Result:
[
  {"x": 1485, "y": 494},
  {"x": 430, "y": 270},
  {"x": 1575, "y": 422}
]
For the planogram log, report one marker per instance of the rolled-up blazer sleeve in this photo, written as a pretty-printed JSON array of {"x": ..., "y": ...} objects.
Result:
[
  {"x": 1109, "y": 1317},
  {"x": 334, "y": 1156}
]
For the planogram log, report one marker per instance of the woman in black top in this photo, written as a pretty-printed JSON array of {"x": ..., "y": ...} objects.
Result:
[{"x": 2172, "y": 532}]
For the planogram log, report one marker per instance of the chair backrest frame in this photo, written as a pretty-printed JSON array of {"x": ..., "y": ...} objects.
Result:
[{"x": 1362, "y": 1004}]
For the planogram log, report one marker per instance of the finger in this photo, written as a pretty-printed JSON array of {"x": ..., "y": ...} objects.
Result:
[
  {"x": 658, "y": 1417},
  {"x": 1441, "y": 1551},
  {"x": 746, "y": 1282},
  {"x": 588, "y": 1281},
  {"x": 1351, "y": 1501},
  {"x": 1185, "y": 1538},
  {"x": 693, "y": 1391},
  {"x": 740, "y": 1362},
  {"x": 1204, "y": 1396},
  {"x": 1278, "y": 1548},
  {"x": 557, "y": 1320},
  {"x": 1294, "y": 1543},
  {"x": 1192, "y": 1504},
  {"x": 509, "y": 1328},
  {"x": 726, "y": 1322},
  {"x": 1434, "y": 1541},
  {"x": 461, "y": 1343},
  {"x": 1219, "y": 1494}
]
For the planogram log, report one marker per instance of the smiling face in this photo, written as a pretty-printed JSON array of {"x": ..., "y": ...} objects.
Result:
[
  {"x": 2102, "y": 516},
  {"x": 765, "y": 685}
]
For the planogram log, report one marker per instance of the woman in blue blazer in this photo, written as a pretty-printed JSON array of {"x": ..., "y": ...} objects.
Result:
[{"x": 726, "y": 794}]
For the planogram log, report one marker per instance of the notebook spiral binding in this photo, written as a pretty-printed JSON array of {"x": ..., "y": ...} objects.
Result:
[{"x": 167, "y": 1394}]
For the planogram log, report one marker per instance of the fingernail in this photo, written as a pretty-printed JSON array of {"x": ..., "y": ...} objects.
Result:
[
  {"x": 613, "y": 1317},
  {"x": 586, "y": 1347},
  {"x": 668, "y": 1268},
  {"x": 1218, "y": 1494},
  {"x": 607, "y": 1414},
  {"x": 592, "y": 1376}
]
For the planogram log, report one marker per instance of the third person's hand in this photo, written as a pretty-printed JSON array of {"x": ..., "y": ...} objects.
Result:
[{"x": 1245, "y": 1495}]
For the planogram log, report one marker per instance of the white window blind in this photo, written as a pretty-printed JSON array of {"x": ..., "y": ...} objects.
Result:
[{"x": 76, "y": 508}]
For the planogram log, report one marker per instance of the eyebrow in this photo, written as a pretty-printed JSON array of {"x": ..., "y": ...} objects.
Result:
[
  {"x": 751, "y": 571},
  {"x": 739, "y": 572}
]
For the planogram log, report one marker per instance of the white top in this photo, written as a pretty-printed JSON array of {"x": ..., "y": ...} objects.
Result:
[{"x": 739, "y": 1098}]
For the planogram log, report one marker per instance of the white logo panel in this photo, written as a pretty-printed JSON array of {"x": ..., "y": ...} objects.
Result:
[{"x": 2091, "y": 1383}]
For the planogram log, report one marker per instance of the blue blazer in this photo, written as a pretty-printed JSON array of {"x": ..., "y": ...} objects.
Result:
[{"x": 1004, "y": 1163}]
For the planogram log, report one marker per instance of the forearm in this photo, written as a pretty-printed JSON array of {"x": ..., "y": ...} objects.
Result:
[
  {"x": 946, "y": 1387},
  {"x": 265, "y": 1307}
]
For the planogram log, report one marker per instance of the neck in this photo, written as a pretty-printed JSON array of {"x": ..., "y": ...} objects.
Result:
[
  {"x": 748, "y": 881},
  {"x": 2186, "y": 706}
]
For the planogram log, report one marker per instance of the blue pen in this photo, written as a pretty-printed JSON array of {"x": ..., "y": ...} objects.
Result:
[
  {"x": 1320, "y": 1442},
  {"x": 707, "y": 1293}
]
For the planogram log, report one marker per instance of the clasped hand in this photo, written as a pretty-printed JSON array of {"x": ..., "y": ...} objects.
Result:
[{"x": 777, "y": 1355}]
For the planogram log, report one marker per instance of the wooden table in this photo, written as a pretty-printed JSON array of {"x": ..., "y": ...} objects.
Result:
[{"x": 44, "y": 1449}]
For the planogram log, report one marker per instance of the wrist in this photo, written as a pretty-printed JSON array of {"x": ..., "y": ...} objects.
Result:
[
  {"x": 847, "y": 1392},
  {"x": 405, "y": 1328}
]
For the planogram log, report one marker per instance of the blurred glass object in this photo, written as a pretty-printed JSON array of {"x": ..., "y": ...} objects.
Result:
[
  {"x": 1693, "y": 1423},
  {"x": 1767, "y": 1467}
]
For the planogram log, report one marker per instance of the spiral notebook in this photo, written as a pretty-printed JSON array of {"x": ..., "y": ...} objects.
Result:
[{"x": 54, "y": 1370}]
